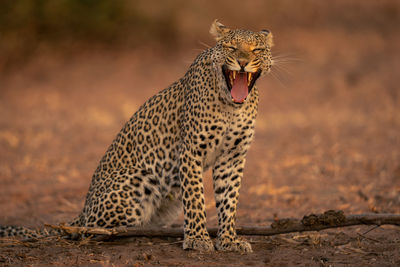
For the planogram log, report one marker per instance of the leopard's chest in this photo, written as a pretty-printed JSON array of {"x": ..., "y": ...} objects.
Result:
[
  {"x": 212, "y": 156},
  {"x": 224, "y": 141}
]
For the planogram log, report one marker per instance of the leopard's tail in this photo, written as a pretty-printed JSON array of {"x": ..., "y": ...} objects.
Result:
[{"x": 19, "y": 232}]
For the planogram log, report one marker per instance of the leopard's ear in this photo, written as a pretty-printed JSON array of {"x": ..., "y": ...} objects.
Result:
[
  {"x": 267, "y": 33},
  {"x": 218, "y": 30}
]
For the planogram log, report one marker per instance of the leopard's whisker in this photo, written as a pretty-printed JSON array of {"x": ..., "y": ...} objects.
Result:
[
  {"x": 277, "y": 77},
  {"x": 204, "y": 44}
]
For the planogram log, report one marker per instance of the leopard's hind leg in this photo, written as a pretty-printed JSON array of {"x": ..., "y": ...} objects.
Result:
[{"x": 126, "y": 197}]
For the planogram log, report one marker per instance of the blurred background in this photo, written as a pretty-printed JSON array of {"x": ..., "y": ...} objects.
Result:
[{"x": 73, "y": 71}]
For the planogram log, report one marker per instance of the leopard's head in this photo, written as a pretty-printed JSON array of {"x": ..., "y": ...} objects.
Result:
[{"x": 243, "y": 57}]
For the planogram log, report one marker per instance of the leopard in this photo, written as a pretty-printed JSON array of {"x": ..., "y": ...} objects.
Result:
[{"x": 154, "y": 167}]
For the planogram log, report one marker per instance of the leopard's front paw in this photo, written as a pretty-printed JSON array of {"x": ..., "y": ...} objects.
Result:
[
  {"x": 201, "y": 244},
  {"x": 237, "y": 245}
]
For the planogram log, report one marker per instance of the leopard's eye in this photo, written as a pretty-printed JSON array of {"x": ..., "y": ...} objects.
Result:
[
  {"x": 231, "y": 48},
  {"x": 258, "y": 50}
]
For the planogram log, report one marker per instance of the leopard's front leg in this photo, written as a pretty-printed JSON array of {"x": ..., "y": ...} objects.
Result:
[
  {"x": 227, "y": 176},
  {"x": 195, "y": 232}
]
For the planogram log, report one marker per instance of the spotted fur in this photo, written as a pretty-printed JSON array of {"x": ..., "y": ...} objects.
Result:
[{"x": 155, "y": 164}]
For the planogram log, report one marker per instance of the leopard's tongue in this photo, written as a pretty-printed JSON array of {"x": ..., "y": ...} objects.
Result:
[{"x": 240, "y": 90}]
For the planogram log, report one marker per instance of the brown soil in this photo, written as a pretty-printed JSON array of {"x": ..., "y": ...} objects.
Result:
[{"x": 327, "y": 138}]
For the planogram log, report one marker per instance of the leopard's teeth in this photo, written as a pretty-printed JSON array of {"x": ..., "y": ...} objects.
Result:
[
  {"x": 248, "y": 78},
  {"x": 233, "y": 100},
  {"x": 234, "y": 74}
]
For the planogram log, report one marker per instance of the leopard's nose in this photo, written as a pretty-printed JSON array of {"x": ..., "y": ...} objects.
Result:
[{"x": 242, "y": 64}]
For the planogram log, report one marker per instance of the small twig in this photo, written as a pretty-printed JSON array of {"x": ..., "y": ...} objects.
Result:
[
  {"x": 369, "y": 238},
  {"x": 372, "y": 228},
  {"x": 85, "y": 230},
  {"x": 363, "y": 235},
  {"x": 171, "y": 243}
]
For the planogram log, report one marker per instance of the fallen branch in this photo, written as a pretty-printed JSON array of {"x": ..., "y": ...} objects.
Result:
[{"x": 313, "y": 222}]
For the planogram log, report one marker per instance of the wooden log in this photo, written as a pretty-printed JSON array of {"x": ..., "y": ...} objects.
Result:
[{"x": 313, "y": 222}]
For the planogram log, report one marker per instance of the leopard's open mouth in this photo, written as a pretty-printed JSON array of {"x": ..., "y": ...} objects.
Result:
[{"x": 240, "y": 83}]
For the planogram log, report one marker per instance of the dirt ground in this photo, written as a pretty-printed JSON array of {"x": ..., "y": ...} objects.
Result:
[{"x": 327, "y": 137}]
